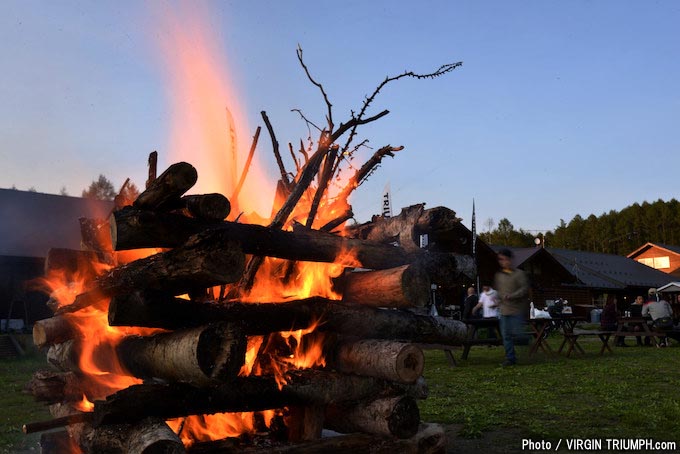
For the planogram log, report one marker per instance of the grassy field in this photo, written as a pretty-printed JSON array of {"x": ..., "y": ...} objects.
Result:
[
  {"x": 17, "y": 408},
  {"x": 633, "y": 393}
]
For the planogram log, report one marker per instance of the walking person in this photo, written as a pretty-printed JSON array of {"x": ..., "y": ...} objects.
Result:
[{"x": 512, "y": 287}]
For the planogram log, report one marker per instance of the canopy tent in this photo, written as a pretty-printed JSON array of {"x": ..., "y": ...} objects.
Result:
[{"x": 671, "y": 287}]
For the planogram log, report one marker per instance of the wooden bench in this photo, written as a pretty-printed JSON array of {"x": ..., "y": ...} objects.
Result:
[
  {"x": 473, "y": 339},
  {"x": 571, "y": 339}
]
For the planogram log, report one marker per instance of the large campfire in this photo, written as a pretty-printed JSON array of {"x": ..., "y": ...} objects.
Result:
[{"x": 184, "y": 325}]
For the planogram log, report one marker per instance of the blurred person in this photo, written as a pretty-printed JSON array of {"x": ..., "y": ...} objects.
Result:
[
  {"x": 661, "y": 313},
  {"x": 488, "y": 305},
  {"x": 469, "y": 304},
  {"x": 512, "y": 286},
  {"x": 636, "y": 311},
  {"x": 608, "y": 319}
]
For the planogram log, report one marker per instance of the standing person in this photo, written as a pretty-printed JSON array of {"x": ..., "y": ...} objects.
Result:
[
  {"x": 488, "y": 304},
  {"x": 513, "y": 290},
  {"x": 636, "y": 311},
  {"x": 661, "y": 313},
  {"x": 469, "y": 305},
  {"x": 609, "y": 319}
]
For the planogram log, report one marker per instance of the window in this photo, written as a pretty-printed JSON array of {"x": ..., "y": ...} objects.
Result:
[{"x": 657, "y": 262}]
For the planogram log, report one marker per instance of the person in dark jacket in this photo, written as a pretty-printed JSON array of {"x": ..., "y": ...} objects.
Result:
[
  {"x": 469, "y": 304},
  {"x": 608, "y": 320}
]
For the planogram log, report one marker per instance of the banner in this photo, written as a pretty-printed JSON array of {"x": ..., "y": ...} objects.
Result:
[{"x": 386, "y": 202}]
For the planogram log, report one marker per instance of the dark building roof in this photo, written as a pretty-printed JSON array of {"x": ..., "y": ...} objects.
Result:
[
  {"x": 527, "y": 258},
  {"x": 608, "y": 271},
  {"x": 31, "y": 222}
]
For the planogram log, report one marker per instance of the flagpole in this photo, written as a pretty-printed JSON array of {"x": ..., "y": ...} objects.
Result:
[{"x": 474, "y": 244}]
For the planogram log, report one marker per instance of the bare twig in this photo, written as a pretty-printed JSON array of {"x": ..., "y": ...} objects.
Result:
[
  {"x": 292, "y": 155},
  {"x": 303, "y": 151},
  {"x": 306, "y": 120},
  {"x": 326, "y": 175},
  {"x": 246, "y": 167},
  {"x": 366, "y": 170},
  {"x": 275, "y": 146},
  {"x": 329, "y": 116}
]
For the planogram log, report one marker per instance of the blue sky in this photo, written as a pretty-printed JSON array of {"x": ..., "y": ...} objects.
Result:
[{"x": 560, "y": 108}]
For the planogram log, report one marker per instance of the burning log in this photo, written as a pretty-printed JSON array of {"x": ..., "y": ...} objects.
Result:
[
  {"x": 160, "y": 310},
  {"x": 253, "y": 393},
  {"x": 200, "y": 356},
  {"x": 52, "y": 387},
  {"x": 94, "y": 234},
  {"x": 393, "y": 361},
  {"x": 401, "y": 287},
  {"x": 131, "y": 229},
  {"x": 204, "y": 261},
  {"x": 305, "y": 422},
  {"x": 166, "y": 190},
  {"x": 53, "y": 330},
  {"x": 143, "y": 436},
  {"x": 211, "y": 207},
  {"x": 72, "y": 261},
  {"x": 353, "y": 320},
  {"x": 396, "y": 416},
  {"x": 65, "y": 356},
  {"x": 149, "y": 436}
]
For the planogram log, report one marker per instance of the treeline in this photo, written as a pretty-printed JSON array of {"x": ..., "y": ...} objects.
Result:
[{"x": 615, "y": 232}]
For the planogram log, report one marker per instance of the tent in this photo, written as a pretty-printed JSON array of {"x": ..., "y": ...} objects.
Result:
[{"x": 671, "y": 287}]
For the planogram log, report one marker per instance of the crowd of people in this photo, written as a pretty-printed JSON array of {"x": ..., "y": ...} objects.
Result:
[{"x": 508, "y": 300}]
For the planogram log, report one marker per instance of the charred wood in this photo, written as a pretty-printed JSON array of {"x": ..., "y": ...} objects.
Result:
[
  {"x": 253, "y": 393},
  {"x": 52, "y": 386},
  {"x": 215, "y": 207},
  {"x": 86, "y": 264},
  {"x": 204, "y": 261},
  {"x": 65, "y": 356},
  {"x": 396, "y": 416},
  {"x": 133, "y": 229},
  {"x": 166, "y": 190},
  {"x": 407, "y": 226},
  {"x": 58, "y": 442},
  {"x": 94, "y": 235},
  {"x": 258, "y": 318}
]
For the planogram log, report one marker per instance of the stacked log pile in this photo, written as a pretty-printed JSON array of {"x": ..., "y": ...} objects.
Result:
[
  {"x": 196, "y": 344},
  {"x": 373, "y": 370}
]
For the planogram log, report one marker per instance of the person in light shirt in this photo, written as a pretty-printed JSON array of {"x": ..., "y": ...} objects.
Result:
[{"x": 487, "y": 302}]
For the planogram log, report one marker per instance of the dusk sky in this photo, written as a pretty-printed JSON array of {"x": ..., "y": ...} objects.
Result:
[{"x": 560, "y": 107}]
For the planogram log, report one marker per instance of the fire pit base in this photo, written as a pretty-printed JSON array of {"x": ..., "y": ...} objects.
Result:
[{"x": 430, "y": 439}]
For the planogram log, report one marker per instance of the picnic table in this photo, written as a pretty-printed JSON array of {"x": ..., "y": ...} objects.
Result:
[
  {"x": 627, "y": 322},
  {"x": 565, "y": 325},
  {"x": 472, "y": 338}
]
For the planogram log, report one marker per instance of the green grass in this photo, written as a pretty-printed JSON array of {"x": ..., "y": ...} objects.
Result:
[
  {"x": 630, "y": 394},
  {"x": 17, "y": 408},
  {"x": 633, "y": 393}
]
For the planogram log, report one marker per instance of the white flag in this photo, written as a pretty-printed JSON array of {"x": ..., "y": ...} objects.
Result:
[{"x": 386, "y": 202}]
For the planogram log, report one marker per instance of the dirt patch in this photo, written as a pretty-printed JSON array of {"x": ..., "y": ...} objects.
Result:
[{"x": 502, "y": 441}]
